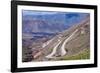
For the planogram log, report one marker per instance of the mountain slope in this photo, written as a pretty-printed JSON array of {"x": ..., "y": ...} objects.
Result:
[
  {"x": 71, "y": 44},
  {"x": 78, "y": 42}
]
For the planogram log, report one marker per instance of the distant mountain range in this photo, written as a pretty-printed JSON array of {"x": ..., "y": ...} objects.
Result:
[{"x": 50, "y": 23}]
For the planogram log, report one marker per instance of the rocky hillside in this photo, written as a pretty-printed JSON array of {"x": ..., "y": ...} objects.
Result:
[{"x": 72, "y": 44}]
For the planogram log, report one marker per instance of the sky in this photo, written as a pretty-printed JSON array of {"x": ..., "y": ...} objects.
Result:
[{"x": 32, "y": 12}]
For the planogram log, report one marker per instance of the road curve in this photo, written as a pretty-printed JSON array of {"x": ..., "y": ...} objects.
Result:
[
  {"x": 63, "y": 51},
  {"x": 54, "y": 50}
]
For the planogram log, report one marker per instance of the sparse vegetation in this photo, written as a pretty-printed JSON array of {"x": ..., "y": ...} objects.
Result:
[{"x": 82, "y": 55}]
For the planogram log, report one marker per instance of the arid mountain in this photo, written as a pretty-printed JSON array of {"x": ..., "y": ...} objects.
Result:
[
  {"x": 53, "y": 22},
  {"x": 46, "y": 38},
  {"x": 72, "y": 44}
]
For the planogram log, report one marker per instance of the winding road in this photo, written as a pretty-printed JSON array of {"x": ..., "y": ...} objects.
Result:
[
  {"x": 63, "y": 51},
  {"x": 54, "y": 50}
]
